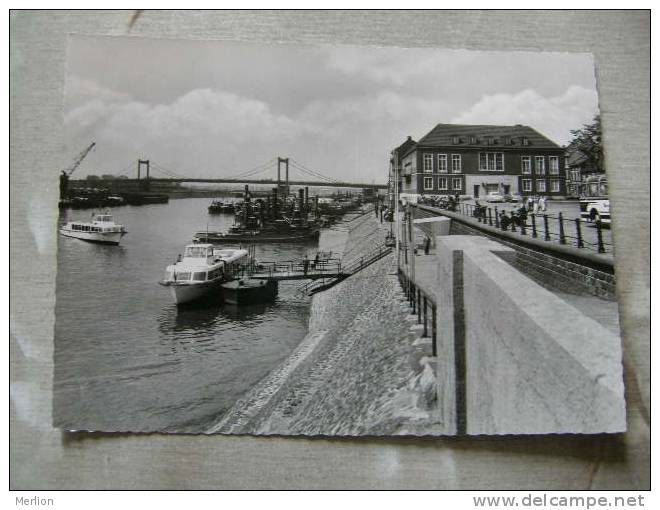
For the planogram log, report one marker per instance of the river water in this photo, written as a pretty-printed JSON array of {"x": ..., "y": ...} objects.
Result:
[{"x": 127, "y": 359}]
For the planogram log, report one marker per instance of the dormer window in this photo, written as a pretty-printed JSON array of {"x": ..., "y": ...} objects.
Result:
[
  {"x": 507, "y": 140},
  {"x": 525, "y": 140},
  {"x": 455, "y": 140},
  {"x": 489, "y": 140},
  {"x": 473, "y": 140}
]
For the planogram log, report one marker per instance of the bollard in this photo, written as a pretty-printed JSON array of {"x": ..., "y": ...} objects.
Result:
[
  {"x": 545, "y": 225},
  {"x": 513, "y": 223},
  {"x": 490, "y": 218},
  {"x": 534, "y": 234},
  {"x": 497, "y": 218},
  {"x": 562, "y": 236},
  {"x": 578, "y": 233},
  {"x": 599, "y": 233}
]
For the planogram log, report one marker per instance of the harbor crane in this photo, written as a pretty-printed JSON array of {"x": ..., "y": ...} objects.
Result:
[{"x": 66, "y": 173}]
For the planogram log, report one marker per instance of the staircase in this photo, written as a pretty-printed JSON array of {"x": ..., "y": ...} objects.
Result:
[{"x": 347, "y": 270}]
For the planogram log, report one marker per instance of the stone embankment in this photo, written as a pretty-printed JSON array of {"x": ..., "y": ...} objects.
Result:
[{"x": 363, "y": 368}]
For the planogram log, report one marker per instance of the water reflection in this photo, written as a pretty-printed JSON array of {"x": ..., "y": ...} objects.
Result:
[{"x": 143, "y": 363}]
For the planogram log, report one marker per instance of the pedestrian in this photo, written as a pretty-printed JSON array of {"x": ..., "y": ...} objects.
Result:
[
  {"x": 530, "y": 203},
  {"x": 542, "y": 205},
  {"x": 316, "y": 260},
  {"x": 427, "y": 245},
  {"x": 504, "y": 220},
  {"x": 535, "y": 207},
  {"x": 305, "y": 264}
]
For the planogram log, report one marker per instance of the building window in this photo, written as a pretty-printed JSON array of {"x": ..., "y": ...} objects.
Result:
[
  {"x": 524, "y": 140},
  {"x": 442, "y": 183},
  {"x": 456, "y": 183},
  {"x": 456, "y": 165},
  {"x": 473, "y": 140},
  {"x": 442, "y": 163},
  {"x": 455, "y": 140},
  {"x": 575, "y": 175},
  {"x": 428, "y": 183},
  {"x": 555, "y": 186},
  {"x": 491, "y": 161},
  {"x": 540, "y": 185},
  {"x": 526, "y": 164},
  {"x": 507, "y": 140},
  {"x": 527, "y": 185},
  {"x": 540, "y": 165},
  {"x": 428, "y": 163},
  {"x": 554, "y": 165}
]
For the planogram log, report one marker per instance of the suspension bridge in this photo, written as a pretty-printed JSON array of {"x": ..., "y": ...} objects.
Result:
[{"x": 289, "y": 172}]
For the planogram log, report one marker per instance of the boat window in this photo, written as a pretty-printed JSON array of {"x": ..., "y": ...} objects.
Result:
[
  {"x": 168, "y": 276},
  {"x": 196, "y": 252},
  {"x": 184, "y": 276},
  {"x": 200, "y": 277}
]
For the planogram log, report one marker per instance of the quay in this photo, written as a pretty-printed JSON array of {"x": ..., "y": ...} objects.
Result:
[{"x": 462, "y": 340}]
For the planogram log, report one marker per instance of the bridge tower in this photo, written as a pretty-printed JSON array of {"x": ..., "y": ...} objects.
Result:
[
  {"x": 286, "y": 168},
  {"x": 143, "y": 185}
]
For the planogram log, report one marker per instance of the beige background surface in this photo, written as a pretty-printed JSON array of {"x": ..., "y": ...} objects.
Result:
[{"x": 42, "y": 457}]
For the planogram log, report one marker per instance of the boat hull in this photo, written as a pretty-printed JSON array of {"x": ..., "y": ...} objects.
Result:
[
  {"x": 248, "y": 291},
  {"x": 112, "y": 238},
  {"x": 219, "y": 238},
  {"x": 189, "y": 292}
]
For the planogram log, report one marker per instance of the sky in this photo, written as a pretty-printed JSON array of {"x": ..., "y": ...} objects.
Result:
[{"x": 217, "y": 108}]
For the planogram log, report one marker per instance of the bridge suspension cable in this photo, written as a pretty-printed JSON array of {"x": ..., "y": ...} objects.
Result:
[
  {"x": 255, "y": 170},
  {"x": 309, "y": 171},
  {"x": 165, "y": 171}
]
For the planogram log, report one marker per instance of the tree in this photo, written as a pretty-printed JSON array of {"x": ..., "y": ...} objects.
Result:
[{"x": 587, "y": 141}]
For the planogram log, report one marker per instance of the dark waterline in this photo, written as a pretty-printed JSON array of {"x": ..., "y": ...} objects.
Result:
[{"x": 127, "y": 359}]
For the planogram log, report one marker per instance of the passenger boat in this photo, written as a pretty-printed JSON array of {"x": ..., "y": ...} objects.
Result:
[
  {"x": 202, "y": 270},
  {"x": 101, "y": 229}
]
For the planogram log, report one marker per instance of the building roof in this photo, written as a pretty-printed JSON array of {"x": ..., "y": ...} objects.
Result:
[
  {"x": 405, "y": 147},
  {"x": 442, "y": 135}
]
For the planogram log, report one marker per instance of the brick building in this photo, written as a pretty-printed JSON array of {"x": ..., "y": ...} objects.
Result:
[{"x": 475, "y": 160}]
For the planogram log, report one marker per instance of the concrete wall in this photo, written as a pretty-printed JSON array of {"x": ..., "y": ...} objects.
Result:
[
  {"x": 524, "y": 371},
  {"x": 435, "y": 226}
]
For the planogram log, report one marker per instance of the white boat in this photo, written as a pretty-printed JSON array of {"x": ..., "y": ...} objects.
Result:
[
  {"x": 202, "y": 270},
  {"x": 101, "y": 229}
]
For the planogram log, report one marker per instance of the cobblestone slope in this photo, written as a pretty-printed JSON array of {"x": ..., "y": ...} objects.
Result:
[{"x": 357, "y": 372}]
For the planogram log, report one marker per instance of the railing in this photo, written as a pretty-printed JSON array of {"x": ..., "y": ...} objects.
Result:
[
  {"x": 348, "y": 269},
  {"x": 545, "y": 226},
  {"x": 423, "y": 306},
  {"x": 331, "y": 266}
]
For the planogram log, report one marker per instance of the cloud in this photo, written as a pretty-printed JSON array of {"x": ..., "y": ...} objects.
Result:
[
  {"x": 210, "y": 132},
  {"x": 554, "y": 116}
]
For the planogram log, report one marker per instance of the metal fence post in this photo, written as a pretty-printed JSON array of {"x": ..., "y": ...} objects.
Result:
[
  {"x": 490, "y": 217},
  {"x": 533, "y": 216},
  {"x": 419, "y": 308},
  {"x": 545, "y": 225},
  {"x": 562, "y": 236},
  {"x": 434, "y": 329},
  {"x": 425, "y": 318},
  {"x": 599, "y": 233},
  {"x": 497, "y": 218},
  {"x": 578, "y": 233}
]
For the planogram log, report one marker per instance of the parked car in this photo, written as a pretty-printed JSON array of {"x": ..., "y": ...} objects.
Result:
[
  {"x": 494, "y": 196},
  {"x": 512, "y": 197}
]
